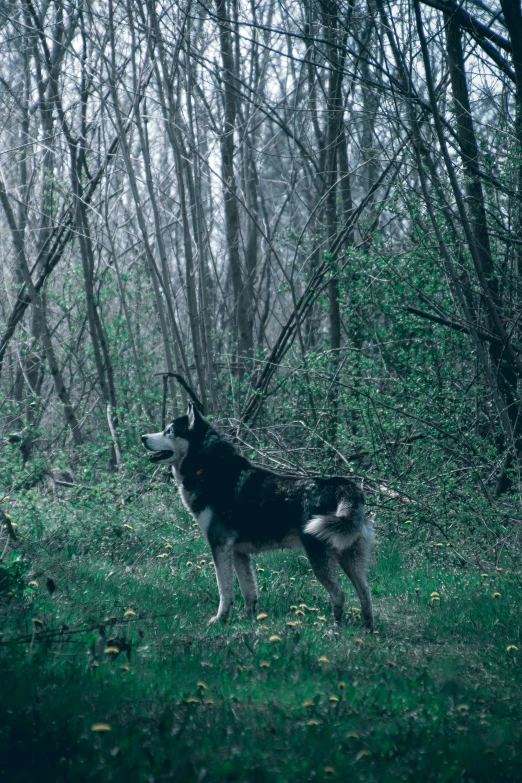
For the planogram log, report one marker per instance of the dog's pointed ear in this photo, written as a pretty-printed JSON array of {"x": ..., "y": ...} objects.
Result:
[{"x": 194, "y": 416}]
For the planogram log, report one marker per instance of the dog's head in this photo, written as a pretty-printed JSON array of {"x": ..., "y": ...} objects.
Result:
[{"x": 171, "y": 446}]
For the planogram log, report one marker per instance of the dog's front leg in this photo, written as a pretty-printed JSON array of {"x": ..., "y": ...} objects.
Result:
[
  {"x": 247, "y": 580},
  {"x": 222, "y": 553}
]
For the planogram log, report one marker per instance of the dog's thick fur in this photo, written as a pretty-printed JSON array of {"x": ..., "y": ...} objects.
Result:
[{"x": 242, "y": 509}]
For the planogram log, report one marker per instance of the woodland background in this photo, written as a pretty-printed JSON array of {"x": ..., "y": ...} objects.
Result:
[{"x": 311, "y": 211}]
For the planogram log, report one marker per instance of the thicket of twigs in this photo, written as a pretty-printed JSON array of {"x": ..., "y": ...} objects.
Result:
[{"x": 311, "y": 211}]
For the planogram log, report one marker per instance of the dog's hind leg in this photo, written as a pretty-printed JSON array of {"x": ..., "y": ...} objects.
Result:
[
  {"x": 354, "y": 562},
  {"x": 324, "y": 566},
  {"x": 222, "y": 553},
  {"x": 247, "y": 580}
]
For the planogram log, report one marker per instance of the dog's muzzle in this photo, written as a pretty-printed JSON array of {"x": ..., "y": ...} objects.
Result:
[{"x": 163, "y": 455}]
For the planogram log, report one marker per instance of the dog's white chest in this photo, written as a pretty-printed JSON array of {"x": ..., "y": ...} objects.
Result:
[{"x": 204, "y": 518}]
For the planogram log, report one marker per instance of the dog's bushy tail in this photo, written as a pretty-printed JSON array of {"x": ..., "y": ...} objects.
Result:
[{"x": 343, "y": 528}]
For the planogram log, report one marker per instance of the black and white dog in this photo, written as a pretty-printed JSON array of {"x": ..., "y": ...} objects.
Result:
[{"x": 242, "y": 509}]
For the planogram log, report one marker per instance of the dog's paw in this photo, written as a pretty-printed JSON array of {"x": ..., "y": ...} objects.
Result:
[{"x": 218, "y": 618}]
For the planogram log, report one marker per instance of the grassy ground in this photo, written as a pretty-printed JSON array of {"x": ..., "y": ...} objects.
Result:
[{"x": 433, "y": 696}]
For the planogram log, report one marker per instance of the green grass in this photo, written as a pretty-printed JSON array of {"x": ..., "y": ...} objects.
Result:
[{"x": 434, "y": 696}]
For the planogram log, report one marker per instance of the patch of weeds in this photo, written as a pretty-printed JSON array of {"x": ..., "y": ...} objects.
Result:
[{"x": 121, "y": 679}]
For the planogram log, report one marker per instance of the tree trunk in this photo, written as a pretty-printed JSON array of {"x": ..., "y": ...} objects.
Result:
[{"x": 243, "y": 309}]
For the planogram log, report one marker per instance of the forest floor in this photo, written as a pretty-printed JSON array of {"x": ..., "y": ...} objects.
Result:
[{"x": 434, "y": 695}]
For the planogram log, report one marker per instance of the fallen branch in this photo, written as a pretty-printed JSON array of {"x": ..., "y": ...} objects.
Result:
[{"x": 190, "y": 391}]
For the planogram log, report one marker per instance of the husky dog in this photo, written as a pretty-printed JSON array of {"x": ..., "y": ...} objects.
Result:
[{"x": 243, "y": 509}]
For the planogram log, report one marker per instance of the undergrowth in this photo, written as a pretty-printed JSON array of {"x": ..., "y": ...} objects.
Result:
[{"x": 110, "y": 671}]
